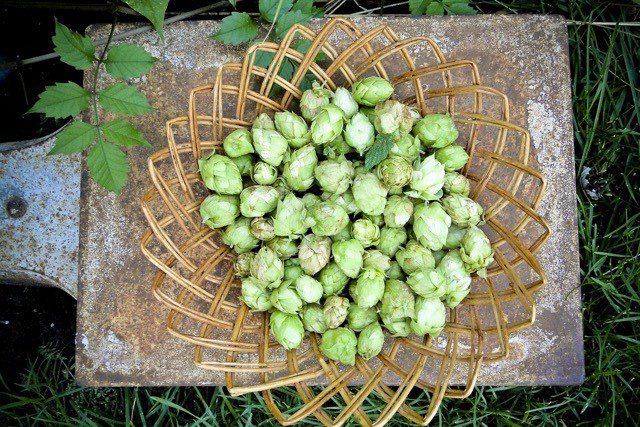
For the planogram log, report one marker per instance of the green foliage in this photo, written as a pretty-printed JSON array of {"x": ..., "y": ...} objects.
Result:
[
  {"x": 379, "y": 151},
  {"x": 74, "y": 49},
  {"x": 438, "y": 7},
  {"x": 237, "y": 28},
  {"x": 153, "y": 10},
  {"x": 74, "y": 138},
  {"x": 271, "y": 9},
  {"x": 62, "y": 100},
  {"x": 121, "y": 132},
  {"x": 108, "y": 165},
  {"x": 127, "y": 61},
  {"x": 124, "y": 99}
]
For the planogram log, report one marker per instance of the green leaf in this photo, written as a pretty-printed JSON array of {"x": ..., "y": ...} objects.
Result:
[
  {"x": 153, "y": 10},
  {"x": 62, "y": 100},
  {"x": 303, "y": 46},
  {"x": 307, "y": 7},
  {"x": 289, "y": 20},
  {"x": 269, "y": 8},
  {"x": 460, "y": 8},
  {"x": 435, "y": 9},
  {"x": 124, "y": 99},
  {"x": 236, "y": 28},
  {"x": 108, "y": 166},
  {"x": 121, "y": 132},
  {"x": 379, "y": 151},
  {"x": 127, "y": 61},
  {"x": 74, "y": 49},
  {"x": 419, "y": 7},
  {"x": 74, "y": 138},
  {"x": 233, "y": 2}
]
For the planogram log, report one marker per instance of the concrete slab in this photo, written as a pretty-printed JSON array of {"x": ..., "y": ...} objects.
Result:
[{"x": 121, "y": 338}]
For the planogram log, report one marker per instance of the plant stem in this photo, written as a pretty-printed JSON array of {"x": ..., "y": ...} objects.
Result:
[{"x": 96, "y": 74}]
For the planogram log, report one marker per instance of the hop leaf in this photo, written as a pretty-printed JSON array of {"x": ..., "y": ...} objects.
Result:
[
  {"x": 288, "y": 20},
  {"x": 124, "y": 99},
  {"x": 153, "y": 10},
  {"x": 236, "y": 28},
  {"x": 127, "y": 61},
  {"x": 62, "y": 100},
  {"x": 108, "y": 166},
  {"x": 269, "y": 8},
  {"x": 74, "y": 49},
  {"x": 74, "y": 138},
  {"x": 121, "y": 132},
  {"x": 379, "y": 151}
]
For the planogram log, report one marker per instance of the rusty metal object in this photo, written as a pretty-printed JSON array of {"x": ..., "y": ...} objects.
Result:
[{"x": 121, "y": 331}]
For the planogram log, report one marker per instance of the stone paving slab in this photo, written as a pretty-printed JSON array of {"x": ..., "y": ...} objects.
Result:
[{"x": 121, "y": 337}]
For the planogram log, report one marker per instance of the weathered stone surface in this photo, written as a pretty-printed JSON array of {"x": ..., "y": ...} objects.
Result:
[{"x": 121, "y": 339}]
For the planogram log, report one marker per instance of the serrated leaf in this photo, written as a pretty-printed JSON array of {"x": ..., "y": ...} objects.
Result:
[
  {"x": 121, "y": 132},
  {"x": 233, "y": 2},
  {"x": 62, "y": 100},
  {"x": 236, "y": 28},
  {"x": 108, "y": 166},
  {"x": 379, "y": 151},
  {"x": 303, "y": 46},
  {"x": 289, "y": 20},
  {"x": 126, "y": 61},
  {"x": 124, "y": 99},
  {"x": 74, "y": 49},
  {"x": 74, "y": 138},
  {"x": 435, "y": 9},
  {"x": 153, "y": 10},
  {"x": 307, "y": 7},
  {"x": 460, "y": 8},
  {"x": 269, "y": 8},
  {"x": 418, "y": 7}
]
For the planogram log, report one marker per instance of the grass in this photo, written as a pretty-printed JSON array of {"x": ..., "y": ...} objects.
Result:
[{"x": 606, "y": 106}]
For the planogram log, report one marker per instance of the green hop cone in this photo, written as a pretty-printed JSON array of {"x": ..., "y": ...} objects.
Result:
[
  {"x": 314, "y": 100},
  {"x": 309, "y": 289},
  {"x": 454, "y": 236},
  {"x": 255, "y": 294},
  {"x": 431, "y": 225},
  {"x": 219, "y": 210},
  {"x": 262, "y": 228},
  {"x": 244, "y": 164},
  {"x": 393, "y": 116},
  {"x": 334, "y": 175},
  {"x": 370, "y": 341},
  {"x": 327, "y": 218},
  {"x": 395, "y": 271},
  {"x": 436, "y": 130},
  {"x": 220, "y": 174},
  {"x": 344, "y": 234},
  {"x": 370, "y": 113},
  {"x": 238, "y": 236},
  {"x": 314, "y": 253},
  {"x": 427, "y": 179},
  {"x": 397, "y": 328},
  {"x": 438, "y": 255},
  {"x": 299, "y": 170},
  {"x": 476, "y": 251},
  {"x": 287, "y": 329},
  {"x": 391, "y": 239},
  {"x": 463, "y": 211},
  {"x": 242, "y": 264},
  {"x": 376, "y": 219},
  {"x": 397, "y": 301},
  {"x": 398, "y": 211},
  {"x": 343, "y": 99},
  {"x": 264, "y": 173},
  {"x": 371, "y": 91},
  {"x": 453, "y": 157},
  {"x": 333, "y": 279},
  {"x": 292, "y": 269},
  {"x": 340, "y": 345},
  {"x": 414, "y": 257},
  {"x": 359, "y": 133},
  {"x": 293, "y": 127},
  {"x": 284, "y": 247},
  {"x": 368, "y": 289},
  {"x": 336, "y": 148},
  {"x": 348, "y": 256},
  {"x": 335, "y": 311},
  {"x": 359, "y": 318},
  {"x": 285, "y": 298},
  {"x": 375, "y": 259},
  {"x": 266, "y": 266},
  {"x": 263, "y": 121},
  {"x": 238, "y": 143},
  {"x": 430, "y": 316},
  {"x": 370, "y": 194},
  {"x": 366, "y": 232},
  {"x": 455, "y": 183},
  {"x": 258, "y": 200},
  {"x": 395, "y": 171},
  {"x": 290, "y": 217},
  {"x": 327, "y": 125},
  {"x": 310, "y": 200},
  {"x": 457, "y": 278},
  {"x": 313, "y": 318},
  {"x": 427, "y": 282},
  {"x": 270, "y": 145},
  {"x": 407, "y": 146},
  {"x": 345, "y": 200}
]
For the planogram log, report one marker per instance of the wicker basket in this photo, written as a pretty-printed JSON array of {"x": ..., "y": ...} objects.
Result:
[{"x": 195, "y": 277}]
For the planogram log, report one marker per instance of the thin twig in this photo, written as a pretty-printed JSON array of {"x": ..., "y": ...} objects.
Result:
[{"x": 96, "y": 74}]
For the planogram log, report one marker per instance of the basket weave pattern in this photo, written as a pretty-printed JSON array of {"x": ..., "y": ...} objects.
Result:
[{"x": 195, "y": 277}]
